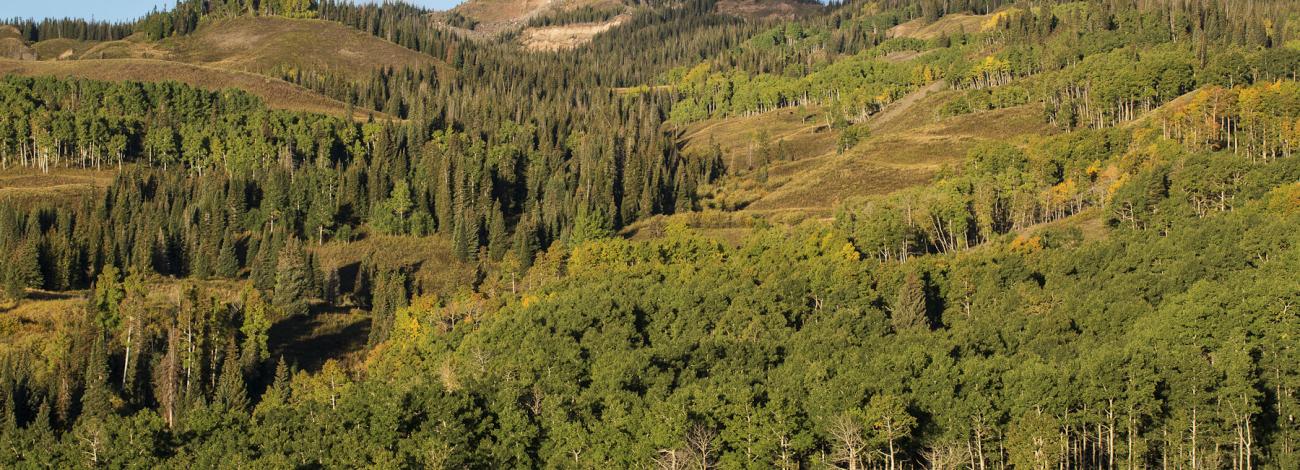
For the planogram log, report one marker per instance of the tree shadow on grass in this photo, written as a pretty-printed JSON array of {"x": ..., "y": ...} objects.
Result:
[{"x": 307, "y": 342}]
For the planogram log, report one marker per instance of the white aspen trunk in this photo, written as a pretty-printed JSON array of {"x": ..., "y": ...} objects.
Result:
[{"x": 126, "y": 361}]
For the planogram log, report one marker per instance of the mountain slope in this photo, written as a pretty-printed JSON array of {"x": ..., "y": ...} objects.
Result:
[
  {"x": 277, "y": 94},
  {"x": 265, "y": 44},
  {"x": 249, "y": 53},
  {"x": 256, "y": 44}
]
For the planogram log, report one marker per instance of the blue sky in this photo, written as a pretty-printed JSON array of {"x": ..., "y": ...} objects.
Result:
[{"x": 118, "y": 10}]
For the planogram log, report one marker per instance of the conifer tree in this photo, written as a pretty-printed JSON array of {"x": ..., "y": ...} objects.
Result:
[
  {"x": 258, "y": 316},
  {"x": 227, "y": 265},
  {"x": 22, "y": 271},
  {"x": 293, "y": 279},
  {"x": 96, "y": 397},
  {"x": 498, "y": 236},
  {"x": 107, "y": 298},
  {"x": 277, "y": 394},
  {"x": 908, "y": 309},
  {"x": 231, "y": 393}
]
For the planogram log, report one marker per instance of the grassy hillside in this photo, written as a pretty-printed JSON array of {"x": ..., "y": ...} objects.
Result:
[
  {"x": 277, "y": 93},
  {"x": 64, "y": 48},
  {"x": 254, "y": 44},
  {"x": 244, "y": 52},
  {"x": 805, "y": 174},
  {"x": 266, "y": 44},
  {"x": 950, "y": 25}
]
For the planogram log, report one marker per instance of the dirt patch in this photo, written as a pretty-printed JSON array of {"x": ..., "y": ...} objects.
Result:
[{"x": 555, "y": 38}]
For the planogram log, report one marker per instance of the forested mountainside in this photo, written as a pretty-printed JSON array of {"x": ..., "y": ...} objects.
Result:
[{"x": 874, "y": 234}]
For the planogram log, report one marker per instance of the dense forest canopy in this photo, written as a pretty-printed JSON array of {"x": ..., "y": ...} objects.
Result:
[{"x": 519, "y": 233}]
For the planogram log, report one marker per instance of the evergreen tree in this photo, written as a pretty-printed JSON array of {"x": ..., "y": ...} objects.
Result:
[
  {"x": 498, "y": 236},
  {"x": 227, "y": 264},
  {"x": 21, "y": 272},
  {"x": 108, "y": 298},
  {"x": 258, "y": 317},
  {"x": 96, "y": 397},
  {"x": 293, "y": 279},
  {"x": 908, "y": 310},
  {"x": 231, "y": 393}
]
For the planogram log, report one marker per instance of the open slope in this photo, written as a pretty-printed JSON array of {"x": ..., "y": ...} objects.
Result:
[
  {"x": 266, "y": 44},
  {"x": 805, "y": 176},
  {"x": 276, "y": 93},
  {"x": 255, "y": 44},
  {"x": 949, "y": 25},
  {"x": 245, "y": 53}
]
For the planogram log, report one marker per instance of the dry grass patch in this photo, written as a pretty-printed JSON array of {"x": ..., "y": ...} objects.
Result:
[
  {"x": 949, "y": 25},
  {"x": 913, "y": 111},
  {"x": 999, "y": 124},
  {"x": 909, "y": 145},
  {"x": 25, "y": 325},
  {"x": 230, "y": 53},
  {"x": 59, "y": 185},
  {"x": 1090, "y": 223},
  {"x": 62, "y": 48},
  {"x": 803, "y": 131},
  {"x": 277, "y": 94},
  {"x": 839, "y": 178}
]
